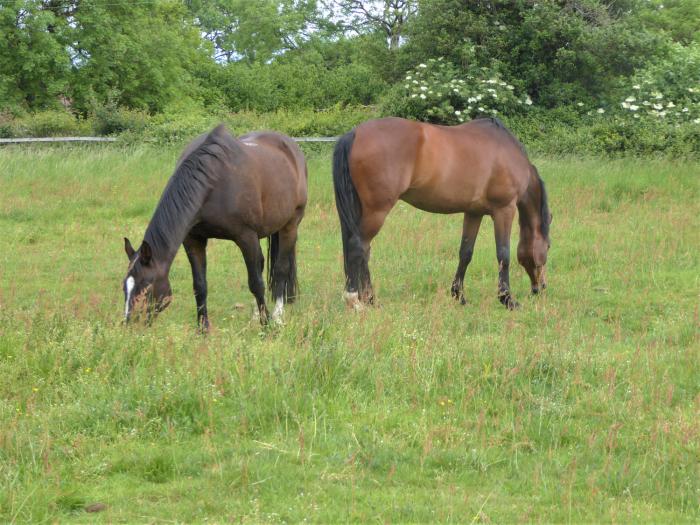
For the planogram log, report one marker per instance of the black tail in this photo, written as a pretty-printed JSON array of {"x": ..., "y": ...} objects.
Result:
[
  {"x": 346, "y": 199},
  {"x": 291, "y": 284}
]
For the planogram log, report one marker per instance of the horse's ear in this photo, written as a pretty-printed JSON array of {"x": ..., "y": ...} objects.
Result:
[
  {"x": 145, "y": 253},
  {"x": 130, "y": 252}
]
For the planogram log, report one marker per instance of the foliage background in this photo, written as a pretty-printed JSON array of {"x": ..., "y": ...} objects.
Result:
[{"x": 160, "y": 69}]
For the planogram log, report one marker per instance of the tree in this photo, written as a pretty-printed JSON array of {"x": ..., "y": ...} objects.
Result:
[
  {"x": 34, "y": 61},
  {"x": 138, "y": 55},
  {"x": 388, "y": 17},
  {"x": 680, "y": 19},
  {"x": 254, "y": 31}
]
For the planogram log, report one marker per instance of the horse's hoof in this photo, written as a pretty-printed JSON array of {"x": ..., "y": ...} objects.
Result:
[
  {"x": 261, "y": 316},
  {"x": 508, "y": 301},
  {"x": 352, "y": 300},
  {"x": 277, "y": 318}
]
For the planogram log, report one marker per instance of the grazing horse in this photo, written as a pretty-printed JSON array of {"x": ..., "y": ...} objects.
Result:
[
  {"x": 478, "y": 168},
  {"x": 240, "y": 189}
]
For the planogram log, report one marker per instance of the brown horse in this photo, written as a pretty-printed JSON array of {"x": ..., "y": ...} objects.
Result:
[
  {"x": 240, "y": 189},
  {"x": 478, "y": 168}
]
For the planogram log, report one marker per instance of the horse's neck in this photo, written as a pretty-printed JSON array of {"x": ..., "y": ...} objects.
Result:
[
  {"x": 163, "y": 253},
  {"x": 183, "y": 198},
  {"x": 170, "y": 224}
]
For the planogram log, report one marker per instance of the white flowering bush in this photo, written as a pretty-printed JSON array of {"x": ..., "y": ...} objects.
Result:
[
  {"x": 647, "y": 99},
  {"x": 668, "y": 91},
  {"x": 435, "y": 91}
]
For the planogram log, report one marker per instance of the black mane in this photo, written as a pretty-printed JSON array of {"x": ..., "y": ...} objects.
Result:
[
  {"x": 185, "y": 193},
  {"x": 500, "y": 125},
  {"x": 544, "y": 207}
]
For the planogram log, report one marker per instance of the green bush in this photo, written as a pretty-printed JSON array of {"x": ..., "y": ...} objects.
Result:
[
  {"x": 564, "y": 131},
  {"x": 51, "y": 123},
  {"x": 180, "y": 127},
  {"x": 111, "y": 119},
  {"x": 173, "y": 128},
  {"x": 298, "y": 82},
  {"x": 305, "y": 123},
  {"x": 606, "y": 135}
]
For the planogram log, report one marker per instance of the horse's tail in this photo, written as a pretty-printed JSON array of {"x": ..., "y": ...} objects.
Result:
[
  {"x": 346, "y": 199},
  {"x": 291, "y": 284}
]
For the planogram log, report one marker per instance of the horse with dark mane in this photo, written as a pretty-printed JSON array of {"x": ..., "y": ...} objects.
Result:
[
  {"x": 240, "y": 189},
  {"x": 478, "y": 168}
]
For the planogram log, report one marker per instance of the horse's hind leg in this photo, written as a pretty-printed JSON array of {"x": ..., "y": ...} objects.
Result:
[
  {"x": 466, "y": 248},
  {"x": 283, "y": 275},
  {"x": 502, "y": 222},
  {"x": 196, "y": 250},
  {"x": 249, "y": 244},
  {"x": 359, "y": 289}
]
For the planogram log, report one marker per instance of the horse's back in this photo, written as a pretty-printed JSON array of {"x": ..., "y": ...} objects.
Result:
[
  {"x": 474, "y": 167},
  {"x": 279, "y": 162},
  {"x": 262, "y": 181}
]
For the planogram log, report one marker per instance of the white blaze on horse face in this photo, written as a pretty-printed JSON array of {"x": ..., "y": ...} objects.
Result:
[
  {"x": 129, "y": 288},
  {"x": 278, "y": 311}
]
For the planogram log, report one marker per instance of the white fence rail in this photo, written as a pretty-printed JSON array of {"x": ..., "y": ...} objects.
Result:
[
  {"x": 112, "y": 139},
  {"x": 58, "y": 139}
]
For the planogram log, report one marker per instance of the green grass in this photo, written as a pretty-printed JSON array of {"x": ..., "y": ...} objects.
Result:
[{"x": 580, "y": 406}]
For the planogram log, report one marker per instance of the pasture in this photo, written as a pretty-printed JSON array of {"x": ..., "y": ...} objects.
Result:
[{"x": 580, "y": 406}]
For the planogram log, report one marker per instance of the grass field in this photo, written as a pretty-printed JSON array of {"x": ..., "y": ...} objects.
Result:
[{"x": 583, "y": 405}]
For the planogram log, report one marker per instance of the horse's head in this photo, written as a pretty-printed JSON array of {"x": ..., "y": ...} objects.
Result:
[
  {"x": 532, "y": 252},
  {"x": 146, "y": 285}
]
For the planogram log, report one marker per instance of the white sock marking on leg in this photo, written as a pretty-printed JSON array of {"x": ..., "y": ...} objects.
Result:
[
  {"x": 352, "y": 299},
  {"x": 278, "y": 311}
]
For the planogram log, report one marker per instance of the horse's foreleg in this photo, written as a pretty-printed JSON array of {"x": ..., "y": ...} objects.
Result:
[
  {"x": 470, "y": 230},
  {"x": 196, "y": 250},
  {"x": 502, "y": 222},
  {"x": 249, "y": 244}
]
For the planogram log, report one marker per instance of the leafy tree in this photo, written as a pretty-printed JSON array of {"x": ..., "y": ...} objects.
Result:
[
  {"x": 255, "y": 31},
  {"x": 34, "y": 62},
  {"x": 680, "y": 19},
  {"x": 319, "y": 75},
  {"x": 140, "y": 55},
  {"x": 388, "y": 17}
]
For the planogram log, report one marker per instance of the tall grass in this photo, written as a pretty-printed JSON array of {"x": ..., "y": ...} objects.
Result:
[{"x": 580, "y": 406}]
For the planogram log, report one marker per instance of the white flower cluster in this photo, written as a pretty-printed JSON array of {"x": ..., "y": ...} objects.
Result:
[
  {"x": 437, "y": 94},
  {"x": 648, "y": 99}
]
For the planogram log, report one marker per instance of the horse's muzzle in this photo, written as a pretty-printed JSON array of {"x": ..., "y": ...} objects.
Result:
[{"x": 540, "y": 281}]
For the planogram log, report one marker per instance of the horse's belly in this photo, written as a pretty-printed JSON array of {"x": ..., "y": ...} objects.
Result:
[{"x": 443, "y": 202}]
